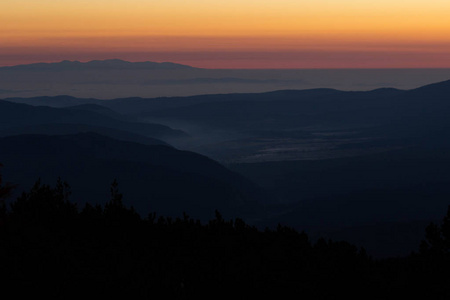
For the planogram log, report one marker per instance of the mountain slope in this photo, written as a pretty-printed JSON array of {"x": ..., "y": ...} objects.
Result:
[
  {"x": 21, "y": 115},
  {"x": 152, "y": 178},
  {"x": 67, "y": 129}
]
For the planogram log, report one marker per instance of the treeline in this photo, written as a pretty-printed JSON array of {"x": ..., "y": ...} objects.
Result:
[{"x": 50, "y": 247}]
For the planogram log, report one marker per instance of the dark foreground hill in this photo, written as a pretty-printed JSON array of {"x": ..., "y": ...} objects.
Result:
[
  {"x": 374, "y": 201},
  {"x": 50, "y": 247},
  {"x": 156, "y": 178}
]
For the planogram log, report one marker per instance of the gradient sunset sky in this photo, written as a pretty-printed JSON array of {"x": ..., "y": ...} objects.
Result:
[{"x": 231, "y": 33}]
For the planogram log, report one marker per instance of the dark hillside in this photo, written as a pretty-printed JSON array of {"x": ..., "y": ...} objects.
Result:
[{"x": 155, "y": 177}]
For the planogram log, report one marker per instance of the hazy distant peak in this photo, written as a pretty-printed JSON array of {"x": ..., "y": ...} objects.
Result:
[{"x": 109, "y": 64}]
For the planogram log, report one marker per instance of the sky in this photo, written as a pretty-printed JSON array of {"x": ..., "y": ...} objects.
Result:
[{"x": 230, "y": 34}]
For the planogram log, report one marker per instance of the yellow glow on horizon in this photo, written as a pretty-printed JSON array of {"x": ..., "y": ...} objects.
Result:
[
  {"x": 232, "y": 17},
  {"x": 226, "y": 25}
]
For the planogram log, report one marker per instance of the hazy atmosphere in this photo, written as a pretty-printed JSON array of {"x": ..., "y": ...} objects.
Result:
[{"x": 237, "y": 149}]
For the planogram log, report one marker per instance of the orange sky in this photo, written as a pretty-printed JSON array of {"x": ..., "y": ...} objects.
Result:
[{"x": 230, "y": 34}]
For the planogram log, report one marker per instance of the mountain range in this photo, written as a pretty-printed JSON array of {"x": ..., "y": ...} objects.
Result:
[
  {"x": 96, "y": 65},
  {"x": 119, "y": 79},
  {"x": 335, "y": 163}
]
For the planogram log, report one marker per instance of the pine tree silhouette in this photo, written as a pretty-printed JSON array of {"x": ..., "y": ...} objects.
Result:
[
  {"x": 115, "y": 210},
  {"x": 437, "y": 237}
]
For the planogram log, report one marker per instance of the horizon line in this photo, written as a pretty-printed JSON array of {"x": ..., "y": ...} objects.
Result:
[{"x": 203, "y": 68}]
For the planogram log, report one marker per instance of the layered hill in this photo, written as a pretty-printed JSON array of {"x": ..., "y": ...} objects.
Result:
[
  {"x": 347, "y": 164},
  {"x": 153, "y": 178},
  {"x": 14, "y": 115}
]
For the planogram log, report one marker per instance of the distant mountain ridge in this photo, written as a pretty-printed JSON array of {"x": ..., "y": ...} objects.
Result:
[
  {"x": 116, "y": 78},
  {"x": 134, "y": 105},
  {"x": 67, "y": 65}
]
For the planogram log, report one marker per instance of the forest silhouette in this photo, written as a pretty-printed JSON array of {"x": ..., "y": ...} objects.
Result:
[{"x": 51, "y": 247}]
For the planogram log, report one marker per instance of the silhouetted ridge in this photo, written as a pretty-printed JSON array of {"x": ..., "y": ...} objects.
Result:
[
  {"x": 67, "y": 65},
  {"x": 439, "y": 89},
  {"x": 68, "y": 129},
  {"x": 438, "y": 85},
  {"x": 21, "y": 115},
  {"x": 55, "y": 248},
  {"x": 55, "y": 101},
  {"x": 98, "y": 109}
]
